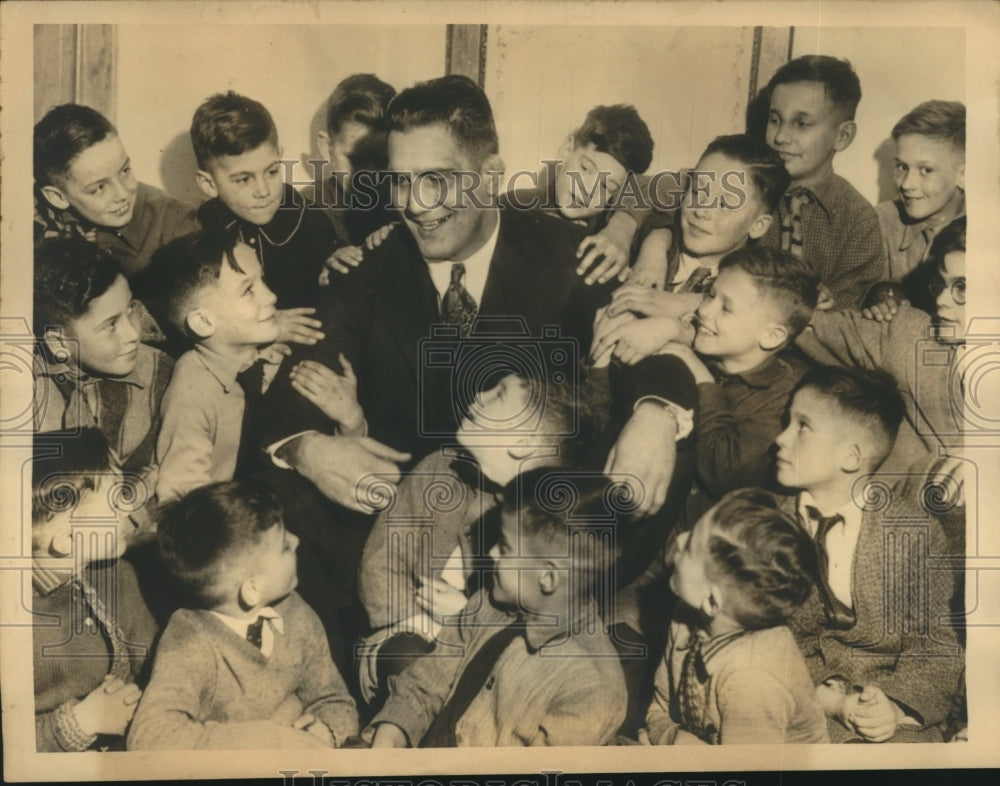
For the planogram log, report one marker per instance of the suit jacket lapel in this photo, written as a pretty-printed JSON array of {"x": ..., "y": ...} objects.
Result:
[
  {"x": 513, "y": 279},
  {"x": 409, "y": 300}
]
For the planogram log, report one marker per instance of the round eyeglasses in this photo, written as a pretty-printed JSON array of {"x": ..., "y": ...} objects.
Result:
[{"x": 957, "y": 289}]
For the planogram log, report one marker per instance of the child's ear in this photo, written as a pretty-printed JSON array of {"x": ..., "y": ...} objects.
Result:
[
  {"x": 530, "y": 447},
  {"x": 201, "y": 322},
  {"x": 846, "y": 132},
  {"x": 712, "y": 603},
  {"x": 57, "y": 345},
  {"x": 249, "y": 596},
  {"x": 773, "y": 337},
  {"x": 852, "y": 458},
  {"x": 548, "y": 579},
  {"x": 55, "y": 197},
  {"x": 323, "y": 144},
  {"x": 567, "y": 147},
  {"x": 760, "y": 226},
  {"x": 206, "y": 183}
]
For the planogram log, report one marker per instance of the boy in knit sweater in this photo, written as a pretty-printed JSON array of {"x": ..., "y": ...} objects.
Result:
[
  {"x": 94, "y": 630},
  {"x": 246, "y": 664}
]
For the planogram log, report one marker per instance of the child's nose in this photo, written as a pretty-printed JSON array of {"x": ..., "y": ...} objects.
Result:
[
  {"x": 495, "y": 552},
  {"x": 293, "y": 541},
  {"x": 262, "y": 188}
]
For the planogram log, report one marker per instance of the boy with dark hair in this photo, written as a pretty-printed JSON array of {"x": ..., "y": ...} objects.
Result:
[
  {"x": 884, "y": 668},
  {"x": 732, "y": 673},
  {"x": 91, "y": 369},
  {"x": 822, "y": 218},
  {"x": 84, "y": 187},
  {"x": 245, "y": 663},
  {"x": 239, "y": 167},
  {"x": 597, "y": 164},
  {"x": 681, "y": 248},
  {"x": 929, "y": 145},
  {"x": 208, "y": 287},
  {"x": 418, "y": 562},
  {"x": 520, "y": 665},
  {"x": 90, "y": 647}
]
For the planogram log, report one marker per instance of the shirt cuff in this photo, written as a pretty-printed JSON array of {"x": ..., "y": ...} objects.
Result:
[
  {"x": 684, "y": 417},
  {"x": 274, "y": 447}
]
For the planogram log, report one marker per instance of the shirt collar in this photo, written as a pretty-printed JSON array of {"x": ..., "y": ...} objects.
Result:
[
  {"x": 761, "y": 376},
  {"x": 239, "y": 625},
  {"x": 824, "y": 193},
  {"x": 954, "y": 208},
  {"x": 849, "y": 511},
  {"x": 278, "y": 231},
  {"x": 222, "y": 367},
  {"x": 711, "y": 646},
  {"x": 48, "y": 575},
  {"x": 477, "y": 267},
  {"x": 539, "y": 634}
]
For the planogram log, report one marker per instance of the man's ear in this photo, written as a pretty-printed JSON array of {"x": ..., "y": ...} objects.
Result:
[
  {"x": 492, "y": 163},
  {"x": 57, "y": 345},
  {"x": 773, "y": 337},
  {"x": 55, "y": 197},
  {"x": 201, "y": 322},
  {"x": 960, "y": 182},
  {"x": 846, "y": 132},
  {"x": 206, "y": 183},
  {"x": 760, "y": 226},
  {"x": 548, "y": 578},
  {"x": 249, "y": 596}
]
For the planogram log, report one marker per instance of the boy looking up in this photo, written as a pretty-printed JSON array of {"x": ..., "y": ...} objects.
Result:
[
  {"x": 732, "y": 672},
  {"x": 89, "y": 646},
  {"x": 208, "y": 286},
  {"x": 877, "y": 677},
  {"x": 239, "y": 167},
  {"x": 519, "y": 667},
  {"x": 85, "y": 187},
  {"x": 245, "y": 663},
  {"x": 930, "y": 177},
  {"x": 822, "y": 218}
]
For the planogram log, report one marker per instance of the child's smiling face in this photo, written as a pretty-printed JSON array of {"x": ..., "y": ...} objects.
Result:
[
  {"x": 99, "y": 185},
  {"x": 104, "y": 340},
  {"x": 587, "y": 181},
  {"x": 734, "y": 319},
  {"x": 928, "y": 173},
  {"x": 249, "y": 184},
  {"x": 806, "y": 130}
]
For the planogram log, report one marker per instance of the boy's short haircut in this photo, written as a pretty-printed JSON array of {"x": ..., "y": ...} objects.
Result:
[
  {"x": 949, "y": 240},
  {"x": 69, "y": 274},
  {"x": 767, "y": 170},
  {"x": 761, "y": 554},
  {"x": 570, "y": 419},
  {"x": 65, "y": 465},
  {"x": 455, "y": 102},
  {"x": 790, "y": 283},
  {"x": 842, "y": 86},
  {"x": 866, "y": 396},
  {"x": 65, "y": 132},
  {"x": 182, "y": 268},
  {"x": 360, "y": 98},
  {"x": 944, "y": 120},
  {"x": 228, "y": 124},
  {"x": 571, "y": 511},
  {"x": 202, "y": 532},
  {"x": 618, "y": 131}
]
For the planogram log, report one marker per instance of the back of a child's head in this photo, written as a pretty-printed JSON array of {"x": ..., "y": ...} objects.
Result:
[
  {"x": 790, "y": 283},
  {"x": 767, "y": 170},
  {"x": 455, "y": 102},
  {"x": 360, "y": 98},
  {"x": 764, "y": 559},
  {"x": 563, "y": 512},
  {"x": 70, "y": 273},
  {"x": 868, "y": 399},
  {"x": 950, "y": 240},
  {"x": 65, "y": 132},
  {"x": 179, "y": 270},
  {"x": 65, "y": 465},
  {"x": 229, "y": 124},
  {"x": 839, "y": 81},
  {"x": 943, "y": 120},
  {"x": 618, "y": 131},
  {"x": 206, "y": 532},
  {"x": 568, "y": 418}
]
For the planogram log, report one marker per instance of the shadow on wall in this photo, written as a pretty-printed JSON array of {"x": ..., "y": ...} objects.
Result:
[
  {"x": 317, "y": 123},
  {"x": 177, "y": 168},
  {"x": 885, "y": 158}
]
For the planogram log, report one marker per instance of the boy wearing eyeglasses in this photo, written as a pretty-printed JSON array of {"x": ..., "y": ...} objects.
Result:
[{"x": 930, "y": 378}]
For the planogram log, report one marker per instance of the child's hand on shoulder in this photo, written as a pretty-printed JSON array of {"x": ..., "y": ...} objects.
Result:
[
  {"x": 377, "y": 238},
  {"x": 632, "y": 340},
  {"x": 297, "y": 326},
  {"x": 308, "y": 722},
  {"x": 647, "y": 302},
  {"x": 440, "y": 599},
  {"x": 601, "y": 259},
  {"x": 882, "y": 312},
  {"x": 341, "y": 261},
  {"x": 108, "y": 708},
  {"x": 650, "y": 268},
  {"x": 335, "y": 394}
]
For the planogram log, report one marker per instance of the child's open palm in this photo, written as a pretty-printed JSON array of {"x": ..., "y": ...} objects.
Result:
[{"x": 335, "y": 394}]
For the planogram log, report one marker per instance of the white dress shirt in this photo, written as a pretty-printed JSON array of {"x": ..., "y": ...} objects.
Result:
[{"x": 841, "y": 542}]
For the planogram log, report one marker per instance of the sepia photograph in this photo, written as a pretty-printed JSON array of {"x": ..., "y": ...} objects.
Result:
[{"x": 600, "y": 379}]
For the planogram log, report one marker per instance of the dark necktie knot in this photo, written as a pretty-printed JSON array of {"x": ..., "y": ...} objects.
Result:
[
  {"x": 823, "y": 523},
  {"x": 252, "y": 380},
  {"x": 255, "y": 632}
]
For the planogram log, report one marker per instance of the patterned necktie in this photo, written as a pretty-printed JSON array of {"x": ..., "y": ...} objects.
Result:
[
  {"x": 791, "y": 226},
  {"x": 473, "y": 679},
  {"x": 696, "y": 282},
  {"x": 252, "y": 382},
  {"x": 838, "y": 614},
  {"x": 255, "y": 632},
  {"x": 457, "y": 305},
  {"x": 120, "y": 657},
  {"x": 692, "y": 688}
]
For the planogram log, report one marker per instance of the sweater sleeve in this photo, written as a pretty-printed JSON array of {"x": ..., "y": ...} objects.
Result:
[
  {"x": 754, "y": 707},
  {"x": 171, "y": 713},
  {"x": 184, "y": 446},
  {"x": 659, "y": 724}
]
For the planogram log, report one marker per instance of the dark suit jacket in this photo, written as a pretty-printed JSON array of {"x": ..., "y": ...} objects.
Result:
[
  {"x": 380, "y": 316},
  {"x": 903, "y": 640}
]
